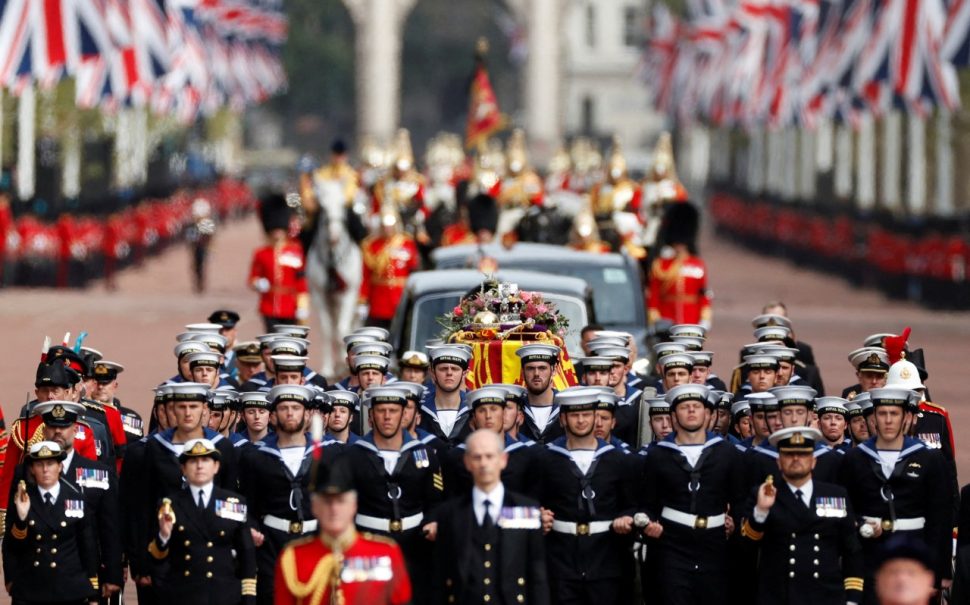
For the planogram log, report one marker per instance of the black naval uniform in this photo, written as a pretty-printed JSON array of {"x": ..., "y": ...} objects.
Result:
[
  {"x": 762, "y": 460},
  {"x": 627, "y": 416},
  {"x": 585, "y": 557},
  {"x": 163, "y": 472},
  {"x": 431, "y": 424},
  {"x": 135, "y": 523},
  {"x": 688, "y": 501},
  {"x": 915, "y": 493},
  {"x": 503, "y": 559},
  {"x": 53, "y": 555},
  {"x": 517, "y": 476},
  {"x": 809, "y": 555},
  {"x": 400, "y": 503},
  {"x": 209, "y": 558},
  {"x": 279, "y": 502},
  {"x": 541, "y": 435}
]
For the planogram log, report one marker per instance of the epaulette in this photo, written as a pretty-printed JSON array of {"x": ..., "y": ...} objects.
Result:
[
  {"x": 94, "y": 405},
  {"x": 935, "y": 405},
  {"x": 302, "y": 541},
  {"x": 378, "y": 538}
]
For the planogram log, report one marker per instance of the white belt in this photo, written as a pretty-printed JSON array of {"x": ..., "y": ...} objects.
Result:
[
  {"x": 899, "y": 524},
  {"x": 389, "y": 525},
  {"x": 693, "y": 521},
  {"x": 581, "y": 529},
  {"x": 290, "y": 527}
]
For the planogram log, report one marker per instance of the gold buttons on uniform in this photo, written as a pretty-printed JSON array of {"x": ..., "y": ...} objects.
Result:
[
  {"x": 815, "y": 548},
  {"x": 187, "y": 573},
  {"x": 36, "y": 563},
  {"x": 816, "y": 536},
  {"x": 54, "y": 537},
  {"x": 53, "y": 551},
  {"x": 31, "y": 522},
  {"x": 63, "y": 523},
  {"x": 451, "y": 598},
  {"x": 520, "y": 598},
  {"x": 815, "y": 575},
  {"x": 792, "y": 547},
  {"x": 188, "y": 557},
  {"x": 815, "y": 562},
  {"x": 187, "y": 543},
  {"x": 222, "y": 533},
  {"x": 181, "y": 528},
  {"x": 487, "y": 598},
  {"x": 208, "y": 559},
  {"x": 208, "y": 544},
  {"x": 448, "y": 582},
  {"x": 39, "y": 537},
  {"x": 520, "y": 581},
  {"x": 488, "y": 564},
  {"x": 487, "y": 581},
  {"x": 208, "y": 574},
  {"x": 791, "y": 561},
  {"x": 488, "y": 547},
  {"x": 791, "y": 574},
  {"x": 53, "y": 564}
]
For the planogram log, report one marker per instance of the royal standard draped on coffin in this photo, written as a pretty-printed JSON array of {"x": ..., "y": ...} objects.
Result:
[{"x": 495, "y": 321}]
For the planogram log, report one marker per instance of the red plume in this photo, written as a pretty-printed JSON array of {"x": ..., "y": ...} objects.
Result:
[{"x": 895, "y": 345}]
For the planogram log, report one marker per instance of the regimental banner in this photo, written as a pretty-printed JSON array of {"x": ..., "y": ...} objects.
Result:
[{"x": 494, "y": 361}]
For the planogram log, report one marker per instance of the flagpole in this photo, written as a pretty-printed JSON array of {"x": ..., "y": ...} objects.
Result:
[
  {"x": 944, "y": 163},
  {"x": 916, "y": 164},
  {"x": 26, "y": 138},
  {"x": 891, "y": 159},
  {"x": 866, "y": 187}
]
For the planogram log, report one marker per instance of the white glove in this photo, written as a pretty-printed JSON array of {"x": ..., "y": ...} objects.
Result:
[
  {"x": 363, "y": 311},
  {"x": 302, "y": 313},
  {"x": 262, "y": 285}
]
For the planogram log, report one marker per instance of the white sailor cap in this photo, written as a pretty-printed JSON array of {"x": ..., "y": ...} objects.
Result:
[
  {"x": 677, "y": 360},
  {"x": 189, "y": 391},
  {"x": 688, "y": 392},
  {"x": 384, "y": 394},
  {"x": 209, "y": 359},
  {"x": 831, "y": 405},
  {"x": 761, "y": 402},
  {"x": 347, "y": 399},
  {"x": 662, "y": 349},
  {"x": 289, "y": 392},
  {"x": 486, "y": 396},
  {"x": 577, "y": 399},
  {"x": 372, "y": 347},
  {"x": 795, "y": 439},
  {"x": 204, "y": 327},
  {"x": 184, "y": 348},
  {"x": 870, "y": 359},
  {"x": 538, "y": 352},
  {"x": 770, "y": 319},
  {"x": 690, "y": 343},
  {"x": 294, "y": 330},
  {"x": 768, "y": 333},
  {"x": 288, "y": 345},
  {"x": 611, "y": 352},
  {"x": 656, "y": 405},
  {"x": 411, "y": 390},
  {"x": 370, "y": 362},
  {"x": 289, "y": 363},
  {"x": 894, "y": 396},
  {"x": 254, "y": 399},
  {"x": 688, "y": 330},
  {"x": 457, "y": 355}
]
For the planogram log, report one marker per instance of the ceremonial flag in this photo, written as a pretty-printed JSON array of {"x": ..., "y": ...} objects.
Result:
[{"x": 484, "y": 117}]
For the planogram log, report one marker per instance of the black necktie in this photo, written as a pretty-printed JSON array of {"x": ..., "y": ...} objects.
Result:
[
  {"x": 800, "y": 496},
  {"x": 49, "y": 500},
  {"x": 486, "y": 518},
  {"x": 201, "y": 501}
]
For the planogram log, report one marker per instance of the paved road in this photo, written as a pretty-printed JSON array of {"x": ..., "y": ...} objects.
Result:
[{"x": 136, "y": 324}]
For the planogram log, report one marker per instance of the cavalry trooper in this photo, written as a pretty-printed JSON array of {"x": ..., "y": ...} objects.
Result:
[
  {"x": 344, "y": 408},
  {"x": 105, "y": 374},
  {"x": 162, "y": 473},
  {"x": 692, "y": 483},
  {"x": 585, "y": 485},
  {"x": 338, "y": 564},
  {"x": 541, "y": 422},
  {"x": 488, "y": 412},
  {"x": 898, "y": 486},
  {"x": 871, "y": 365},
  {"x": 444, "y": 412},
  {"x": 203, "y": 547},
  {"x": 255, "y": 416},
  {"x": 833, "y": 419},
  {"x": 50, "y": 554},
  {"x": 489, "y": 547},
  {"x": 805, "y": 530},
  {"x": 627, "y": 410},
  {"x": 275, "y": 477},
  {"x": 398, "y": 482}
]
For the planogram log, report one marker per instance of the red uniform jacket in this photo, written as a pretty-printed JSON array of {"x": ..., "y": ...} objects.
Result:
[
  {"x": 372, "y": 573},
  {"x": 678, "y": 290},
  {"x": 284, "y": 268},
  {"x": 387, "y": 264}
]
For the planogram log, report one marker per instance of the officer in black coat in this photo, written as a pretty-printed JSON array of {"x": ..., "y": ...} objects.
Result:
[
  {"x": 898, "y": 486},
  {"x": 692, "y": 482},
  {"x": 97, "y": 483},
  {"x": 398, "y": 481},
  {"x": 275, "y": 479},
  {"x": 805, "y": 530},
  {"x": 490, "y": 545},
  {"x": 203, "y": 546},
  {"x": 50, "y": 553},
  {"x": 586, "y": 484},
  {"x": 488, "y": 409}
]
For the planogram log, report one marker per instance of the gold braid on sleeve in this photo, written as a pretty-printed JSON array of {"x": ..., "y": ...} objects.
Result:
[{"x": 325, "y": 574}]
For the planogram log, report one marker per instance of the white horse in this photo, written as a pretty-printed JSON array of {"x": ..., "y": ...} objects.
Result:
[{"x": 333, "y": 247}]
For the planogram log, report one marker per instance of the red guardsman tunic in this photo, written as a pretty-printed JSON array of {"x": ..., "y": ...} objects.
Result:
[
  {"x": 678, "y": 290},
  {"x": 284, "y": 267},
  {"x": 369, "y": 571}
]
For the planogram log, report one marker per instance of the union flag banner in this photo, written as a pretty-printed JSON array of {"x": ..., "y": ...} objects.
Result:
[
  {"x": 495, "y": 361},
  {"x": 484, "y": 117}
]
